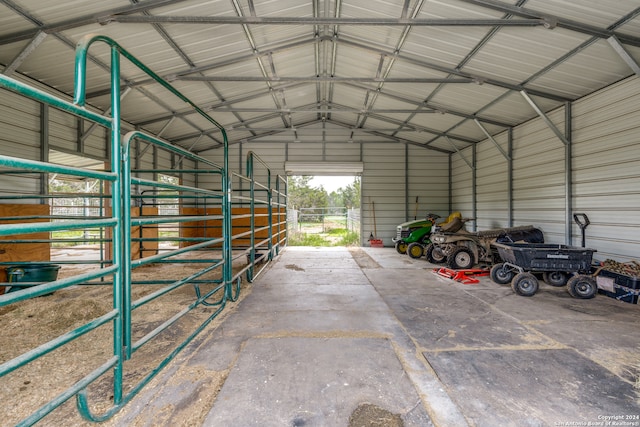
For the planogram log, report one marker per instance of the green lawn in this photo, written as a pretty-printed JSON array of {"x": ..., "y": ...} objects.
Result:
[{"x": 333, "y": 237}]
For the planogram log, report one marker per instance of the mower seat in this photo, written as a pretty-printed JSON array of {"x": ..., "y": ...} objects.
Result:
[{"x": 453, "y": 223}]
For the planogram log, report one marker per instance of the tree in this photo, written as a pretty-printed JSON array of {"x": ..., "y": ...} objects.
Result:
[
  {"x": 350, "y": 195},
  {"x": 302, "y": 195}
]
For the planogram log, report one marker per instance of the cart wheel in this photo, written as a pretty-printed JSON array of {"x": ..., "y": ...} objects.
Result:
[
  {"x": 525, "y": 284},
  {"x": 401, "y": 247},
  {"x": 555, "y": 278},
  {"x": 415, "y": 250},
  {"x": 461, "y": 258},
  {"x": 434, "y": 254},
  {"x": 582, "y": 286},
  {"x": 501, "y": 274}
]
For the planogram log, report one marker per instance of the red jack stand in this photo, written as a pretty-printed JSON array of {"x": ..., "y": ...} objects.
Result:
[{"x": 462, "y": 276}]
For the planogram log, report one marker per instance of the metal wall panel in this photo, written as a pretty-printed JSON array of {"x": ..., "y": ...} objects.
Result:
[
  {"x": 63, "y": 130},
  {"x": 383, "y": 191},
  {"x": 428, "y": 181},
  {"x": 492, "y": 180},
  {"x": 20, "y": 137},
  {"x": 188, "y": 179},
  {"x": 605, "y": 178},
  {"x": 339, "y": 152},
  {"x": 462, "y": 185},
  {"x": 96, "y": 144},
  {"x": 539, "y": 177},
  {"x": 606, "y": 164},
  {"x": 273, "y": 154}
]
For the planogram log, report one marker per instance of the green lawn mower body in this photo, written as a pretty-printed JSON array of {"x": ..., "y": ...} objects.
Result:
[
  {"x": 413, "y": 236},
  {"x": 413, "y": 231}
]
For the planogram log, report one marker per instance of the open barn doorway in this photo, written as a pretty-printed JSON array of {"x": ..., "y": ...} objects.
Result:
[
  {"x": 324, "y": 210},
  {"x": 74, "y": 198}
]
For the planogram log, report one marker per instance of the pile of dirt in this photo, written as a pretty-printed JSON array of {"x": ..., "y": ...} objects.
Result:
[{"x": 368, "y": 415}]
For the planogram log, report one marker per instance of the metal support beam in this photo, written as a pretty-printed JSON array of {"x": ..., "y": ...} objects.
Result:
[
  {"x": 450, "y": 195},
  {"x": 320, "y": 79},
  {"x": 470, "y": 164},
  {"x": 44, "y": 147},
  {"x": 568, "y": 179},
  {"x": 510, "y": 177},
  {"x": 159, "y": 134},
  {"x": 624, "y": 54},
  {"x": 554, "y": 21},
  {"x": 26, "y": 51},
  {"x": 94, "y": 125},
  {"x": 179, "y": 161},
  {"x": 490, "y": 137},
  {"x": 81, "y": 21},
  {"x": 545, "y": 118},
  {"x": 406, "y": 182},
  {"x": 318, "y": 110},
  {"x": 474, "y": 186},
  {"x": 286, "y": 20}
]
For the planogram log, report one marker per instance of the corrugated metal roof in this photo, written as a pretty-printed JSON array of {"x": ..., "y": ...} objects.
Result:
[{"x": 418, "y": 72}]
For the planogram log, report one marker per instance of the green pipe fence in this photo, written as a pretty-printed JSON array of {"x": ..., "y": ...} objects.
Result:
[{"x": 199, "y": 234}]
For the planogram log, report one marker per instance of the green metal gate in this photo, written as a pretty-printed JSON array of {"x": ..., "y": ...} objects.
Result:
[{"x": 214, "y": 208}]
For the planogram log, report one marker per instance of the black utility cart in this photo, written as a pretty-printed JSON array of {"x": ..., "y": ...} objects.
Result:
[{"x": 560, "y": 265}]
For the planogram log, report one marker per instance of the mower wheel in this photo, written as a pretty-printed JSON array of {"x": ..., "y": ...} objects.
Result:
[
  {"x": 401, "y": 247},
  {"x": 434, "y": 254},
  {"x": 461, "y": 258},
  {"x": 501, "y": 274},
  {"x": 415, "y": 250},
  {"x": 555, "y": 278},
  {"x": 582, "y": 286},
  {"x": 525, "y": 284}
]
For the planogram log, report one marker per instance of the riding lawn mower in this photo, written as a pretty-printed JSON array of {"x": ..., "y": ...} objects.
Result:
[{"x": 413, "y": 236}]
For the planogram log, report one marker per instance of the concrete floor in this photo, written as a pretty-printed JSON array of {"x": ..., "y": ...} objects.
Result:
[{"x": 327, "y": 329}]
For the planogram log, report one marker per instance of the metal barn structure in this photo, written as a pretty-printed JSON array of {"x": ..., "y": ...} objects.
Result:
[{"x": 513, "y": 112}]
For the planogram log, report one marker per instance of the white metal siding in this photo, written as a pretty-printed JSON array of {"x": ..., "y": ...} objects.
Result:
[
  {"x": 96, "y": 143},
  {"x": 20, "y": 137},
  {"x": 539, "y": 177},
  {"x": 383, "y": 190},
  {"x": 492, "y": 179},
  {"x": 606, "y": 178},
  {"x": 606, "y": 166},
  {"x": 428, "y": 176},
  {"x": 63, "y": 132},
  {"x": 462, "y": 185}
]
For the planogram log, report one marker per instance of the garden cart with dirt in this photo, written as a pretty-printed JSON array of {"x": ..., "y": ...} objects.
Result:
[
  {"x": 417, "y": 233},
  {"x": 560, "y": 265}
]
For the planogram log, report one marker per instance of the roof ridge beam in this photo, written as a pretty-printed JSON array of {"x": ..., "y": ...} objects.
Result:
[
  {"x": 286, "y": 20},
  {"x": 315, "y": 79}
]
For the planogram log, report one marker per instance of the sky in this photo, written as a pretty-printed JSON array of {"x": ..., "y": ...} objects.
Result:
[{"x": 331, "y": 183}]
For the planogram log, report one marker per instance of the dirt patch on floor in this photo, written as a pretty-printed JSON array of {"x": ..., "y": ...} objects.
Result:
[
  {"x": 293, "y": 267},
  {"x": 368, "y": 415},
  {"x": 363, "y": 259},
  {"x": 32, "y": 323}
]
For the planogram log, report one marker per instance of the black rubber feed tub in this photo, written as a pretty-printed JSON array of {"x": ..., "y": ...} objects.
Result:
[{"x": 31, "y": 274}]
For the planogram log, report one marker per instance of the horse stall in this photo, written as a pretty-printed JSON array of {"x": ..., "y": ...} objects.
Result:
[{"x": 95, "y": 301}]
